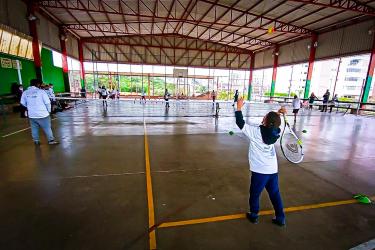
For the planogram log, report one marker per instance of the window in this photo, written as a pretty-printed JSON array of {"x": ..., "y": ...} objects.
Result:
[
  {"x": 353, "y": 70},
  {"x": 57, "y": 59},
  {"x": 291, "y": 80},
  {"x": 354, "y": 62},
  {"x": 342, "y": 76},
  {"x": 351, "y": 79},
  {"x": 16, "y": 45}
]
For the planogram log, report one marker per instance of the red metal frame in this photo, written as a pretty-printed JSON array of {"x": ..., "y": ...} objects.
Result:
[
  {"x": 35, "y": 42},
  {"x": 80, "y": 56},
  {"x": 275, "y": 24},
  {"x": 63, "y": 51},
  {"x": 88, "y": 6},
  {"x": 250, "y": 87},
  {"x": 274, "y": 70},
  {"x": 370, "y": 73},
  {"x": 176, "y": 59},
  {"x": 351, "y": 5},
  {"x": 221, "y": 32},
  {"x": 313, "y": 44},
  {"x": 120, "y": 41}
]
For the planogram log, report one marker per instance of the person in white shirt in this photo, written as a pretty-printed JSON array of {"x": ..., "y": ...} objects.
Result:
[
  {"x": 51, "y": 94},
  {"x": 38, "y": 107},
  {"x": 104, "y": 94},
  {"x": 296, "y": 106},
  {"x": 143, "y": 97},
  {"x": 263, "y": 162}
]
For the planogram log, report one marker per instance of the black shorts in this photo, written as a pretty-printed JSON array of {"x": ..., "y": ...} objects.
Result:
[
  {"x": 104, "y": 97},
  {"x": 295, "y": 111}
]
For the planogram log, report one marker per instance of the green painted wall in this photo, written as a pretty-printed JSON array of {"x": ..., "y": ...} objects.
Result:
[
  {"x": 8, "y": 76},
  {"x": 52, "y": 74}
]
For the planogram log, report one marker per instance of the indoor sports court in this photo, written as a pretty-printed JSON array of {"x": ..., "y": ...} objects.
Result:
[{"x": 159, "y": 112}]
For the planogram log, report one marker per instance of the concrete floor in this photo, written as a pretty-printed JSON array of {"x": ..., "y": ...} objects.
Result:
[{"x": 89, "y": 192}]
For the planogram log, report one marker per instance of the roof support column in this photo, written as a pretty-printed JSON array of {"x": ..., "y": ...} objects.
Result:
[
  {"x": 313, "y": 45},
  {"x": 370, "y": 74},
  {"x": 80, "y": 55},
  {"x": 250, "y": 87},
  {"x": 35, "y": 42},
  {"x": 274, "y": 71},
  {"x": 65, "y": 69},
  {"x": 148, "y": 84}
]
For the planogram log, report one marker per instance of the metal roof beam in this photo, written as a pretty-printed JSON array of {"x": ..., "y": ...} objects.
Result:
[
  {"x": 169, "y": 12},
  {"x": 349, "y": 5},
  {"x": 282, "y": 26},
  {"x": 218, "y": 18},
  {"x": 96, "y": 27},
  {"x": 238, "y": 17},
  {"x": 188, "y": 9},
  {"x": 48, "y": 4},
  {"x": 200, "y": 20},
  {"x": 119, "y": 41}
]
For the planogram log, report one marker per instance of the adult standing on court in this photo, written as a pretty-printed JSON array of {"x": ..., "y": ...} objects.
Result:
[
  {"x": 38, "y": 106},
  {"x": 235, "y": 97},
  {"x": 166, "y": 98},
  {"x": 143, "y": 96},
  {"x": 296, "y": 106},
  {"x": 325, "y": 101},
  {"x": 312, "y": 98},
  {"x": 104, "y": 95},
  {"x": 334, "y": 103},
  {"x": 213, "y": 95},
  {"x": 52, "y": 97}
]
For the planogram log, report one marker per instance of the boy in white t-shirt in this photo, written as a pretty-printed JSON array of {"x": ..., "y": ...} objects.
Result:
[
  {"x": 296, "y": 106},
  {"x": 263, "y": 162}
]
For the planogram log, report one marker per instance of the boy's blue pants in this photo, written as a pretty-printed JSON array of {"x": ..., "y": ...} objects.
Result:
[{"x": 271, "y": 183}]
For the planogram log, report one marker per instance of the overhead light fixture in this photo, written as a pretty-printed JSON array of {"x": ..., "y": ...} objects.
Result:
[
  {"x": 63, "y": 37},
  {"x": 31, "y": 17},
  {"x": 63, "y": 34},
  {"x": 315, "y": 45}
]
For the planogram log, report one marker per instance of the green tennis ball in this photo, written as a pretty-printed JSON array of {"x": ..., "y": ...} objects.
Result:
[
  {"x": 231, "y": 133},
  {"x": 304, "y": 131}
]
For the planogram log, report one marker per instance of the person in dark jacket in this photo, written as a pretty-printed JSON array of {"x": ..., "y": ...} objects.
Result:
[
  {"x": 325, "y": 101},
  {"x": 312, "y": 98},
  {"x": 235, "y": 97}
]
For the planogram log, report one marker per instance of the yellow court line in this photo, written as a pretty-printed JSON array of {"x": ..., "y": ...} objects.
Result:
[
  {"x": 150, "y": 197},
  {"x": 265, "y": 212}
]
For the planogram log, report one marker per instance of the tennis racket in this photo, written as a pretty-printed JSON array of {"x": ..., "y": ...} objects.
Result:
[{"x": 290, "y": 144}]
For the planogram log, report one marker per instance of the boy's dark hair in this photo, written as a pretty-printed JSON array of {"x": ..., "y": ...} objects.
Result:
[
  {"x": 272, "y": 120},
  {"x": 35, "y": 82}
]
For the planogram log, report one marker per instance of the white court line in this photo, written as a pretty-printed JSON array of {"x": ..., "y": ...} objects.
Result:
[
  {"x": 18, "y": 131},
  {"x": 369, "y": 245},
  {"x": 21, "y": 130},
  {"x": 100, "y": 175}
]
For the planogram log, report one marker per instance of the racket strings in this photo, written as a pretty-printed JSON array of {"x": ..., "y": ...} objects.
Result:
[{"x": 291, "y": 147}]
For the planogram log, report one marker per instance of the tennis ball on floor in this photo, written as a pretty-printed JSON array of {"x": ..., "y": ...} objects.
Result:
[
  {"x": 231, "y": 133},
  {"x": 304, "y": 131}
]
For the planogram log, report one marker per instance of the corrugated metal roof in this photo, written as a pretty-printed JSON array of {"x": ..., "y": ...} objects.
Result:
[{"x": 241, "y": 24}]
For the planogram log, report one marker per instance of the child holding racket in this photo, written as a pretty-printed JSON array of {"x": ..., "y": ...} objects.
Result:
[{"x": 263, "y": 162}]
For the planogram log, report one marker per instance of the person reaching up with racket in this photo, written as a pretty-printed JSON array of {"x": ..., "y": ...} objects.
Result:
[{"x": 263, "y": 162}]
